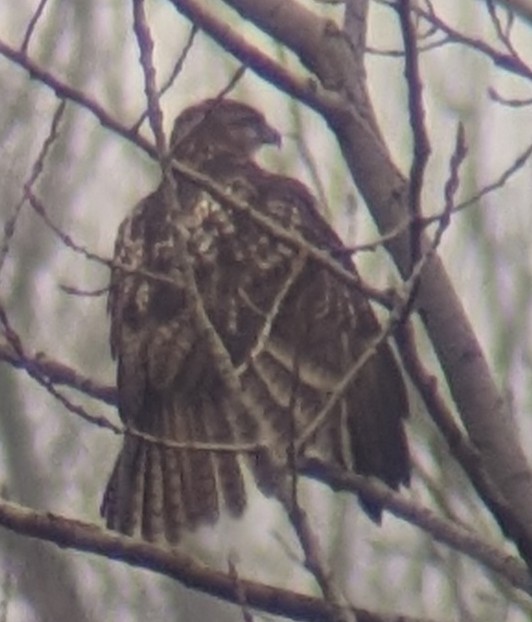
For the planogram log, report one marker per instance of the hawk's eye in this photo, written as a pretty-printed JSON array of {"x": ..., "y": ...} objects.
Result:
[
  {"x": 245, "y": 131},
  {"x": 250, "y": 131}
]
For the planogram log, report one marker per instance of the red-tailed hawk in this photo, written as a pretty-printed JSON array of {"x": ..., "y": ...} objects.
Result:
[{"x": 291, "y": 328}]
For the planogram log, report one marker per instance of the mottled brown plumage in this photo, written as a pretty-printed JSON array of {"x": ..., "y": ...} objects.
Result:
[{"x": 291, "y": 328}]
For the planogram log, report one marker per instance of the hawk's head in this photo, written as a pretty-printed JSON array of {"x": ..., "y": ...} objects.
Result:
[{"x": 220, "y": 127}]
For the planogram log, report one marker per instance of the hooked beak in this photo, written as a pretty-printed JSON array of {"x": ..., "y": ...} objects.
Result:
[{"x": 271, "y": 136}]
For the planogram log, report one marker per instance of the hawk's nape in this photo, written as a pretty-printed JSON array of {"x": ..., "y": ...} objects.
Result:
[{"x": 291, "y": 327}]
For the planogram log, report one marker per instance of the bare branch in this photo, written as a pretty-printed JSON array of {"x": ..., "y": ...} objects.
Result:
[
  {"x": 463, "y": 450},
  {"x": 305, "y": 89},
  {"x": 145, "y": 44},
  {"x": 297, "y": 267},
  {"x": 504, "y": 60},
  {"x": 57, "y": 373},
  {"x": 416, "y": 109},
  {"x": 82, "y": 536},
  {"x": 315, "y": 563},
  {"x": 241, "y": 593},
  {"x": 173, "y": 74},
  {"x": 503, "y": 32},
  {"x": 35, "y": 372},
  {"x": 37, "y": 168},
  {"x": 506, "y": 101},
  {"x": 448, "y": 532},
  {"x": 31, "y": 25},
  {"x": 523, "y": 7},
  {"x": 67, "y": 92}
]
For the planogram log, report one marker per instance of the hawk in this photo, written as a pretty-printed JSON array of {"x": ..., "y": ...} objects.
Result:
[{"x": 290, "y": 326}]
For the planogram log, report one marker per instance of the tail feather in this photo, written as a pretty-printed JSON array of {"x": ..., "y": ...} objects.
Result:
[
  {"x": 227, "y": 463},
  {"x": 200, "y": 498},
  {"x": 123, "y": 498},
  {"x": 153, "y": 498},
  {"x": 173, "y": 511},
  {"x": 158, "y": 489}
]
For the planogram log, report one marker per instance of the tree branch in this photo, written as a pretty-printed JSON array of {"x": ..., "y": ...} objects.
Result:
[
  {"x": 447, "y": 532},
  {"x": 82, "y": 536}
]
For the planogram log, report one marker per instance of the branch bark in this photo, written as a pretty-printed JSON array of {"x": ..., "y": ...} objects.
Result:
[
  {"x": 70, "y": 533},
  {"x": 523, "y": 7}
]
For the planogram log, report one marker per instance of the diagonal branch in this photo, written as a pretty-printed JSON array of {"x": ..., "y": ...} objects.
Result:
[
  {"x": 57, "y": 372},
  {"x": 448, "y": 532}
]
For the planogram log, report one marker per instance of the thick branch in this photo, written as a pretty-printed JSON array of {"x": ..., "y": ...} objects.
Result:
[{"x": 170, "y": 562}]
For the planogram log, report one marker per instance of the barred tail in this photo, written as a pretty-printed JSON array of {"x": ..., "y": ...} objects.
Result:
[{"x": 156, "y": 490}]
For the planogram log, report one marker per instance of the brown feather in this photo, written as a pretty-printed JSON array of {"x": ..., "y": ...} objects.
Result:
[{"x": 291, "y": 328}]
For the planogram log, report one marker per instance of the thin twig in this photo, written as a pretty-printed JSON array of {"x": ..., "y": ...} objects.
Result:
[
  {"x": 145, "y": 44},
  {"x": 452, "y": 184},
  {"x": 31, "y": 26},
  {"x": 173, "y": 74},
  {"x": 501, "y": 59},
  {"x": 36, "y": 170},
  {"x": 48, "y": 373},
  {"x": 373, "y": 245},
  {"x": 508, "y": 101},
  {"x": 240, "y": 592},
  {"x": 88, "y": 293},
  {"x": 35, "y": 372},
  {"x": 314, "y": 561},
  {"x": 220, "y": 356},
  {"x": 298, "y": 264},
  {"x": 516, "y": 165},
  {"x": 502, "y": 33},
  {"x": 65, "y": 91},
  {"x": 417, "y": 123}
]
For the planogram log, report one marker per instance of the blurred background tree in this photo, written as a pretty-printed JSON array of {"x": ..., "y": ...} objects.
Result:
[{"x": 53, "y": 460}]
